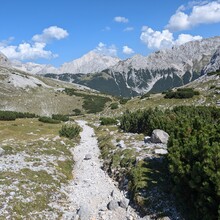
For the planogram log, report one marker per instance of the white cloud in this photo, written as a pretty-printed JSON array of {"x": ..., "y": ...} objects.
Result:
[
  {"x": 184, "y": 38},
  {"x": 159, "y": 40},
  {"x": 129, "y": 29},
  {"x": 156, "y": 39},
  {"x": 127, "y": 50},
  {"x": 51, "y": 33},
  {"x": 203, "y": 13},
  {"x": 106, "y": 50},
  {"x": 120, "y": 19},
  {"x": 35, "y": 49},
  {"x": 26, "y": 51}
]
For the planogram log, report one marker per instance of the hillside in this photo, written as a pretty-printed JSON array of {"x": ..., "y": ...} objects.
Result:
[{"x": 23, "y": 92}]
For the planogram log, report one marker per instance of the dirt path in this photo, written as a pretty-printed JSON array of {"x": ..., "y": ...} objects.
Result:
[{"x": 92, "y": 189}]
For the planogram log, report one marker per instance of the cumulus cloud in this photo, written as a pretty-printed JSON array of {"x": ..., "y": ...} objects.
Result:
[
  {"x": 36, "y": 48},
  {"x": 184, "y": 38},
  {"x": 203, "y": 13},
  {"x": 128, "y": 29},
  {"x": 127, "y": 50},
  {"x": 106, "y": 50},
  {"x": 51, "y": 33},
  {"x": 165, "y": 39},
  {"x": 156, "y": 39},
  {"x": 26, "y": 51},
  {"x": 120, "y": 19}
]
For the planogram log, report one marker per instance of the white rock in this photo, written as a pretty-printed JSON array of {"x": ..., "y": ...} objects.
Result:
[
  {"x": 159, "y": 136},
  {"x": 160, "y": 151}
]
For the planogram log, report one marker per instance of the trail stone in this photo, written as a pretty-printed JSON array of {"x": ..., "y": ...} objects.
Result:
[
  {"x": 124, "y": 203},
  {"x": 160, "y": 151},
  {"x": 88, "y": 157},
  {"x": 83, "y": 213},
  {"x": 159, "y": 136},
  {"x": 2, "y": 151},
  {"x": 112, "y": 205}
]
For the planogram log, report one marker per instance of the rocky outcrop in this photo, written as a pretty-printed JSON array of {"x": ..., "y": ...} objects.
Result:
[
  {"x": 214, "y": 63},
  {"x": 4, "y": 60}
]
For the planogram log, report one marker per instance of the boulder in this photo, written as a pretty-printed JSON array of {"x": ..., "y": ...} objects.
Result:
[
  {"x": 112, "y": 205},
  {"x": 88, "y": 157},
  {"x": 124, "y": 203},
  {"x": 159, "y": 136},
  {"x": 2, "y": 151},
  {"x": 160, "y": 151},
  {"x": 83, "y": 213}
]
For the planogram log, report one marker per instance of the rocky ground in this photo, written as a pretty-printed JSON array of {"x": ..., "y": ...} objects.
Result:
[
  {"x": 93, "y": 194},
  {"x": 38, "y": 179}
]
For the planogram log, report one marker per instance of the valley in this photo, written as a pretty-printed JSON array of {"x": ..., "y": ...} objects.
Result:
[{"x": 69, "y": 151}]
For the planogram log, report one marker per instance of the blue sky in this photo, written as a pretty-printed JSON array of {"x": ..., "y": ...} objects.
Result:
[{"x": 58, "y": 31}]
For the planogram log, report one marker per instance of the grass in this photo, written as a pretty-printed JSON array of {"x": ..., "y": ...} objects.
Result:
[
  {"x": 44, "y": 162},
  {"x": 27, "y": 129}
]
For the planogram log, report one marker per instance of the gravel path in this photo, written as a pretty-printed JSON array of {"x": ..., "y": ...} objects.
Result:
[{"x": 92, "y": 189}]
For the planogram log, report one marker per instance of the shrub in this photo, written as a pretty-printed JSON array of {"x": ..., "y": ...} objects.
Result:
[
  {"x": 77, "y": 111},
  {"x": 94, "y": 103},
  {"x": 91, "y": 103},
  {"x": 217, "y": 72},
  {"x": 46, "y": 119},
  {"x": 114, "y": 105},
  {"x": 70, "y": 131},
  {"x": 108, "y": 121},
  {"x": 11, "y": 115},
  {"x": 181, "y": 94},
  {"x": 123, "y": 101},
  {"x": 7, "y": 116},
  {"x": 60, "y": 117},
  {"x": 193, "y": 158},
  {"x": 147, "y": 95}
]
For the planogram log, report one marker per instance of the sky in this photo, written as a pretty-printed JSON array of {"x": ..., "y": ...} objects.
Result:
[{"x": 58, "y": 31}]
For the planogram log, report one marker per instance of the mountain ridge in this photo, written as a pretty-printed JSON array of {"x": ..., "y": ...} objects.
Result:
[
  {"x": 156, "y": 72},
  {"x": 91, "y": 62}
]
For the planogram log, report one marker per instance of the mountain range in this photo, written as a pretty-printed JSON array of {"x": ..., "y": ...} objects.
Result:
[
  {"x": 91, "y": 62},
  {"x": 157, "y": 72},
  {"x": 160, "y": 71}
]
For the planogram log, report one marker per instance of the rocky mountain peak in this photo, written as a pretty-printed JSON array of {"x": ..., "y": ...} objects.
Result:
[{"x": 89, "y": 63}]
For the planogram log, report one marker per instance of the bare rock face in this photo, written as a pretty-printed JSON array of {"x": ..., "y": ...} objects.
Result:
[
  {"x": 159, "y": 136},
  {"x": 4, "y": 60},
  {"x": 214, "y": 64}
]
